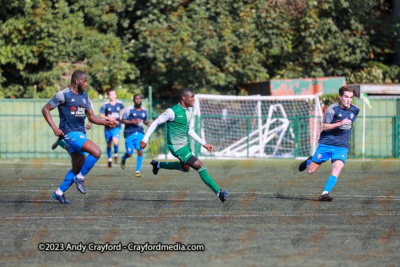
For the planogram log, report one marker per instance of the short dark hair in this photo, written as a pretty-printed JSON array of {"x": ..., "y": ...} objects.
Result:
[
  {"x": 136, "y": 96},
  {"x": 184, "y": 91},
  {"x": 346, "y": 89},
  {"x": 109, "y": 90},
  {"x": 77, "y": 75}
]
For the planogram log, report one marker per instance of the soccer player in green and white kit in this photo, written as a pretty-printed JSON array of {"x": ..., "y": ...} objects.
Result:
[{"x": 180, "y": 123}]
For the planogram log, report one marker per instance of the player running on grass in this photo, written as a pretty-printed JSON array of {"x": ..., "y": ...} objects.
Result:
[
  {"x": 111, "y": 110},
  {"x": 180, "y": 123},
  {"x": 72, "y": 105},
  {"x": 134, "y": 117},
  {"x": 334, "y": 140}
]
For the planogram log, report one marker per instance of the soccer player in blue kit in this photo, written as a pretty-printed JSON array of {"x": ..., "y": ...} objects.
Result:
[
  {"x": 334, "y": 139},
  {"x": 73, "y": 103},
  {"x": 111, "y": 110},
  {"x": 134, "y": 117}
]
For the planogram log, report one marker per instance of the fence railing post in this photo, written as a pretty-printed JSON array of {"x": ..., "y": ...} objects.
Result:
[
  {"x": 248, "y": 137},
  {"x": 396, "y": 136}
]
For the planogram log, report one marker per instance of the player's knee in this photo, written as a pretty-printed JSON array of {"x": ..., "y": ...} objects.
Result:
[
  {"x": 128, "y": 155},
  {"x": 96, "y": 152},
  {"x": 140, "y": 153},
  {"x": 185, "y": 167},
  {"x": 310, "y": 171},
  {"x": 336, "y": 171}
]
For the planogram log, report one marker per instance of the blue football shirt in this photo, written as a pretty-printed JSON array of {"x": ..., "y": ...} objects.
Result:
[
  {"x": 339, "y": 136},
  {"x": 112, "y": 111},
  {"x": 72, "y": 110},
  {"x": 132, "y": 113}
]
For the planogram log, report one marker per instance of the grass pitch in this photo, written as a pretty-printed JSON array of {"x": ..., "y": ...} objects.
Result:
[{"x": 271, "y": 216}]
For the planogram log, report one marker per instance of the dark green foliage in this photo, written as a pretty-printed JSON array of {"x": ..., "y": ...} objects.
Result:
[{"x": 210, "y": 46}]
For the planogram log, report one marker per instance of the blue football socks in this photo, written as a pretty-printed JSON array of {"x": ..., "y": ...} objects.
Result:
[
  {"x": 87, "y": 166},
  {"x": 109, "y": 152},
  {"x": 68, "y": 181},
  {"x": 330, "y": 184},
  {"x": 139, "y": 163}
]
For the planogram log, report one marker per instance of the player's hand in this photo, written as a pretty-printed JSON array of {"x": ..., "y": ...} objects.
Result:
[
  {"x": 88, "y": 126},
  {"x": 111, "y": 119},
  {"x": 142, "y": 144},
  {"x": 345, "y": 121},
  {"x": 58, "y": 132},
  {"x": 112, "y": 123},
  {"x": 209, "y": 147}
]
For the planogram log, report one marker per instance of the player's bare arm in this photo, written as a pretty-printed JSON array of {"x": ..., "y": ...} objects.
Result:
[
  {"x": 328, "y": 126},
  {"x": 47, "y": 116},
  {"x": 133, "y": 121},
  {"x": 102, "y": 116},
  {"x": 94, "y": 119},
  {"x": 122, "y": 114}
]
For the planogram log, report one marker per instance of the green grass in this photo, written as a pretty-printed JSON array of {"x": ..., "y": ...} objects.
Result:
[{"x": 271, "y": 216}]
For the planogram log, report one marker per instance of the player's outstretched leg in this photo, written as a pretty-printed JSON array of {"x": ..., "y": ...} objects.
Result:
[
  {"x": 196, "y": 164},
  {"x": 336, "y": 169},
  {"x": 77, "y": 162},
  {"x": 168, "y": 166},
  {"x": 59, "y": 142},
  {"x": 123, "y": 159},
  {"x": 155, "y": 165},
  {"x": 116, "y": 146},
  {"x": 139, "y": 162},
  {"x": 304, "y": 164},
  {"x": 94, "y": 155},
  {"x": 201, "y": 169},
  {"x": 109, "y": 155},
  {"x": 68, "y": 181}
]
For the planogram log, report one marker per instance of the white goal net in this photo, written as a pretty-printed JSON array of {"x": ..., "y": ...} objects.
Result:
[{"x": 258, "y": 126}]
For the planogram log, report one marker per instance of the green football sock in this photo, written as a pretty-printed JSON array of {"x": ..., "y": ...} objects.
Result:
[
  {"x": 170, "y": 165},
  {"x": 208, "y": 180},
  {"x": 61, "y": 143}
]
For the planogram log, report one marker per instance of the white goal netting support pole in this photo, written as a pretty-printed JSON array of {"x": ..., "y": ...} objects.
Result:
[{"x": 258, "y": 126}]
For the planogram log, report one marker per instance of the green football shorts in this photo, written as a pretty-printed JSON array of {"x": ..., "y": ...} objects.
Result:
[{"x": 183, "y": 154}]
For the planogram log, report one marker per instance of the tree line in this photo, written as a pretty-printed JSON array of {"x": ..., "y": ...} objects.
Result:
[{"x": 209, "y": 46}]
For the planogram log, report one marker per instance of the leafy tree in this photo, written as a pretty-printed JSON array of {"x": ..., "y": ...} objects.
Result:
[{"x": 210, "y": 46}]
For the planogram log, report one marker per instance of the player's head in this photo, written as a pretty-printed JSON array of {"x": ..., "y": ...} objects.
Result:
[
  {"x": 79, "y": 79},
  {"x": 112, "y": 95},
  {"x": 186, "y": 96},
  {"x": 137, "y": 99},
  {"x": 346, "y": 94}
]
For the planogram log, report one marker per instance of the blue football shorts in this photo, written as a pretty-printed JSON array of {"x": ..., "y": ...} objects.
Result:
[
  {"x": 325, "y": 152},
  {"x": 109, "y": 134},
  {"x": 133, "y": 142},
  {"x": 75, "y": 140}
]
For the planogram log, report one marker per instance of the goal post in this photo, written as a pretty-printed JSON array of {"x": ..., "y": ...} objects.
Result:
[{"x": 258, "y": 126}]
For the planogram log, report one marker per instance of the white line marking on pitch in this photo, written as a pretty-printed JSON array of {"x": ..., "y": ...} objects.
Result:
[
  {"x": 175, "y": 192},
  {"x": 56, "y": 163},
  {"x": 179, "y": 216}
]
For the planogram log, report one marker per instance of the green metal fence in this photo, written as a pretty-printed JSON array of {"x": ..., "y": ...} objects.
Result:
[
  {"x": 24, "y": 133},
  {"x": 382, "y": 136}
]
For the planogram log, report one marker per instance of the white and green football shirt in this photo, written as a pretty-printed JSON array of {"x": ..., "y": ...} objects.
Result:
[{"x": 180, "y": 124}]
